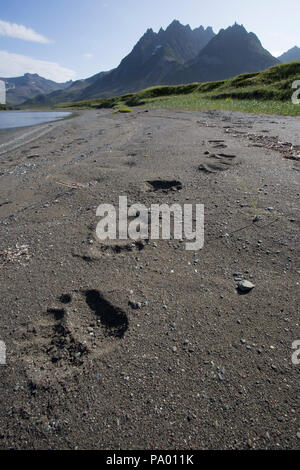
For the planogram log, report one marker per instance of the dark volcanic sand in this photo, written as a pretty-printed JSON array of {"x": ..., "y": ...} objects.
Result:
[{"x": 197, "y": 366}]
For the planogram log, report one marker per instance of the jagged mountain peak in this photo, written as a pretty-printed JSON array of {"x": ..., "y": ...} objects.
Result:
[
  {"x": 180, "y": 43},
  {"x": 148, "y": 35},
  {"x": 231, "y": 52},
  {"x": 238, "y": 27},
  {"x": 149, "y": 32},
  {"x": 234, "y": 29},
  {"x": 236, "y": 38},
  {"x": 177, "y": 26}
]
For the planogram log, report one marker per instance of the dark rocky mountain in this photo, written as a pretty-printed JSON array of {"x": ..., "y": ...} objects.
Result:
[
  {"x": 20, "y": 89},
  {"x": 232, "y": 52},
  {"x": 172, "y": 56},
  {"x": 290, "y": 55},
  {"x": 153, "y": 57}
]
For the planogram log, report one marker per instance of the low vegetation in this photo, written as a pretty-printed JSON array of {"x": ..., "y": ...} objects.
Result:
[
  {"x": 123, "y": 110},
  {"x": 5, "y": 107},
  {"x": 267, "y": 92}
]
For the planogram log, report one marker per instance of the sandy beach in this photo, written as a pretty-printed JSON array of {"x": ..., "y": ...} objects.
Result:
[{"x": 146, "y": 345}]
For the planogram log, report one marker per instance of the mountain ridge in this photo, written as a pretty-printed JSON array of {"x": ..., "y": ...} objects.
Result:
[
  {"x": 154, "y": 56},
  {"x": 172, "y": 56},
  {"x": 233, "y": 51}
]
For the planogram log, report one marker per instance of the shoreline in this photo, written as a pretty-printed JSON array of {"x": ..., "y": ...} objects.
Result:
[{"x": 11, "y": 139}]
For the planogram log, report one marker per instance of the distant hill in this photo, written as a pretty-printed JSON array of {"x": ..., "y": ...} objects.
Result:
[
  {"x": 20, "y": 89},
  {"x": 232, "y": 52},
  {"x": 69, "y": 94},
  {"x": 291, "y": 55}
]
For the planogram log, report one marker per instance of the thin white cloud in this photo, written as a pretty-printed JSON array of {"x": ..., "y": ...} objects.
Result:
[
  {"x": 88, "y": 56},
  {"x": 16, "y": 65},
  {"x": 19, "y": 31}
]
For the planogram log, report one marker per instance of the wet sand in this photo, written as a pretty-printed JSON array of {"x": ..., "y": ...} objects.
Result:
[{"x": 146, "y": 345}]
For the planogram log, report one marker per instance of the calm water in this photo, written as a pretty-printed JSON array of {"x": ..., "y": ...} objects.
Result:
[{"x": 11, "y": 119}]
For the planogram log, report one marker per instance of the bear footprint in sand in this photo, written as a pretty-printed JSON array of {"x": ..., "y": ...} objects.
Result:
[
  {"x": 214, "y": 163},
  {"x": 218, "y": 144},
  {"x": 161, "y": 185},
  {"x": 86, "y": 326}
]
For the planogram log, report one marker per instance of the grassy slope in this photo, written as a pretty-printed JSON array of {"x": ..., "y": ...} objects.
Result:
[{"x": 269, "y": 92}]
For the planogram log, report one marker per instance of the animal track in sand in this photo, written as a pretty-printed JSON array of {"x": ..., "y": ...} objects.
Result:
[
  {"x": 131, "y": 164},
  {"x": 113, "y": 319},
  {"x": 161, "y": 185},
  {"x": 214, "y": 163},
  {"x": 218, "y": 144},
  {"x": 64, "y": 339},
  {"x": 99, "y": 248}
]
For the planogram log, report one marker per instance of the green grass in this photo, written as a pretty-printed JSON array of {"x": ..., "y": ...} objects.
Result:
[
  {"x": 267, "y": 92},
  {"x": 5, "y": 107},
  {"x": 194, "y": 103},
  {"x": 123, "y": 110}
]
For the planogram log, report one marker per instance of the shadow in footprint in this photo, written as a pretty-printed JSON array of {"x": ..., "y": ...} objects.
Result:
[
  {"x": 130, "y": 164},
  {"x": 57, "y": 313},
  {"x": 65, "y": 298},
  {"x": 158, "y": 185},
  {"x": 112, "y": 318}
]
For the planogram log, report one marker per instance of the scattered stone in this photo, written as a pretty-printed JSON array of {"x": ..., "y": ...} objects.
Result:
[
  {"x": 135, "y": 305},
  {"x": 245, "y": 286}
]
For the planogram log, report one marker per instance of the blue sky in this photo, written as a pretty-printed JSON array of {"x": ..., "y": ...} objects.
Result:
[{"x": 70, "y": 39}]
